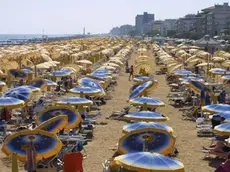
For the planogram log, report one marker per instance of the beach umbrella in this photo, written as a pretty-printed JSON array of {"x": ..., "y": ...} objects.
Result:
[
  {"x": 197, "y": 86},
  {"x": 226, "y": 63},
  {"x": 102, "y": 71},
  {"x": 39, "y": 83},
  {"x": 99, "y": 76},
  {"x": 204, "y": 64},
  {"x": 225, "y": 115},
  {"x": 17, "y": 74},
  {"x": 148, "y": 101},
  {"x": 223, "y": 129},
  {"x": 88, "y": 82},
  {"x": 141, "y": 79},
  {"x": 141, "y": 125},
  {"x": 10, "y": 102},
  {"x": 117, "y": 61},
  {"x": 141, "y": 89},
  {"x": 111, "y": 64},
  {"x": 71, "y": 69},
  {"x": 148, "y": 161},
  {"x": 85, "y": 91},
  {"x": 75, "y": 101},
  {"x": 51, "y": 83},
  {"x": 186, "y": 80},
  {"x": 62, "y": 73},
  {"x": 85, "y": 62},
  {"x": 219, "y": 71},
  {"x": 108, "y": 67},
  {"x": 153, "y": 86},
  {"x": 218, "y": 59},
  {"x": 54, "y": 125},
  {"x": 176, "y": 68},
  {"x": 20, "y": 93},
  {"x": 147, "y": 140},
  {"x": 27, "y": 71},
  {"x": 226, "y": 77},
  {"x": 32, "y": 88},
  {"x": 46, "y": 144},
  {"x": 216, "y": 108},
  {"x": 74, "y": 118},
  {"x": 146, "y": 116},
  {"x": 183, "y": 73}
]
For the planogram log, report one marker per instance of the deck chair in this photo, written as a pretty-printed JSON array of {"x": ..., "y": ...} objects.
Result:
[{"x": 73, "y": 162}]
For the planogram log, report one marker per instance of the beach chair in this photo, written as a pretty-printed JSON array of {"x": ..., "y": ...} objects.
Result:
[
  {"x": 73, "y": 162},
  {"x": 119, "y": 114}
]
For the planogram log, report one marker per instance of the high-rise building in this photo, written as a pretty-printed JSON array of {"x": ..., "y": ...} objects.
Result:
[
  {"x": 143, "y": 22},
  {"x": 216, "y": 18}
]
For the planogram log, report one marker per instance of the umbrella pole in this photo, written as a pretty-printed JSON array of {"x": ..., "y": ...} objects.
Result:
[
  {"x": 81, "y": 95},
  {"x": 14, "y": 163}
]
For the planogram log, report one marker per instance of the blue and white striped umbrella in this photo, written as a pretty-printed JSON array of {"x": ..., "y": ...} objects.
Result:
[
  {"x": 100, "y": 76},
  {"x": 10, "y": 102},
  {"x": 145, "y": 116},
  {"x": 148, "y": 161},
  {"x": 17, "y": 74},
  {"x": 147, "y": 139},
  {"x": 142, "y": 78},
  {"x": 140, "y": 89},
  {"x": 140, "y": 101},
  {"x": 218, "y": 71},
  {"x": 186, "y": 80},
  {"x": 225, "y": 115},
  {"x": 24, "y": 94},
  {"x": 102, "y": 71},
  {"x": 85, "y": 90},
  {"x": 75, "y": 101},
  {"x": 33, "y": 89},
  {"x": 183, "y": 73},
  {"x": 88, "y": 82},
  {"x": 198, "y": 86},
  {"x": 62, "y": 73},
  {"x": 216, "y": 108},
  {"x": 223, "y": 129},
  {"x": 226, "y": 77},
  {"x": 50, "y": 82},
  {"x": 141, "y": 125},
  {"x": 27, "y": 71}
]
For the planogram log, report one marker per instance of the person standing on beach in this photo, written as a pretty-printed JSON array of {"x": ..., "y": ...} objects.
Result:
[{"x": 131, "y": 72}]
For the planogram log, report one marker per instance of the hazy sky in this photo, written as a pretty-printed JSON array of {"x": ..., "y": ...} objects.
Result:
[{"x": 98, "y": 16}]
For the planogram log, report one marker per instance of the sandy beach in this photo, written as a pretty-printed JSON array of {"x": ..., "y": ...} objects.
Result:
[{"x": 107, "y": 136}]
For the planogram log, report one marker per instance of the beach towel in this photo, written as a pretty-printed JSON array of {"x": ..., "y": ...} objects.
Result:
[{"x": 73, "y": 162}]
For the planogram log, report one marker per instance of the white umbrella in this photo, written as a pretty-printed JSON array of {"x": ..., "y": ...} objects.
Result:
[{"x": 85, "y": 62}]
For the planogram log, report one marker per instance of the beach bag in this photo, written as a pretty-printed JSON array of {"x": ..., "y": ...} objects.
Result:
[{"x": 224, "y": 167}]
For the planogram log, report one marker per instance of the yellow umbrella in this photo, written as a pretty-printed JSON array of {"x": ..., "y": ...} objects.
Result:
[{"x": 180, "y": 66}]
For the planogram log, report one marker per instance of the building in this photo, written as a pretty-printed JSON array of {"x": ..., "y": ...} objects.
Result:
[
  {"x": 186, "y": 24},
  {"x": 143, "y": 22},
  {"x": 122, "y": 30},
  {"x": 158, "y": 26},
  {"x": 217, "y": 19},
  {"x": 169, "y": 25}
]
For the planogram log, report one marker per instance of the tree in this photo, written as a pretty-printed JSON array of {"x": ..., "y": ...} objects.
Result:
[
  {"x": 153, "y": 33},
  {"x": 133, "y": 33},
  {"x": 171, "y": 33}
]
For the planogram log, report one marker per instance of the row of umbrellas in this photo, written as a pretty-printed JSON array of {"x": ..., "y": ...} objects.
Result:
[
  {"x": 42, "y": 142},
  {"x": 146, "y": 142}
]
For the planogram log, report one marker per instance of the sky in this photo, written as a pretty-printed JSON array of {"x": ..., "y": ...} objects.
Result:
[{"x": 97, "y": 16}]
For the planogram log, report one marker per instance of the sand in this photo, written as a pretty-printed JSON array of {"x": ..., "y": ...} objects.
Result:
[{"x": 107, "y": 136}]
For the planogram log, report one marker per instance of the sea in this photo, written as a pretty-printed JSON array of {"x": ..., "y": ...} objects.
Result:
[{"x": 6, "y": 37}]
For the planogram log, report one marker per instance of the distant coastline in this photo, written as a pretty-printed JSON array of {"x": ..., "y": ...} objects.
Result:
[{"x": 7, "y": 37}]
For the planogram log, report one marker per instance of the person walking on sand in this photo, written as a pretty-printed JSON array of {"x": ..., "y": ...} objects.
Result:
[{"x": 131, "y": 72}]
